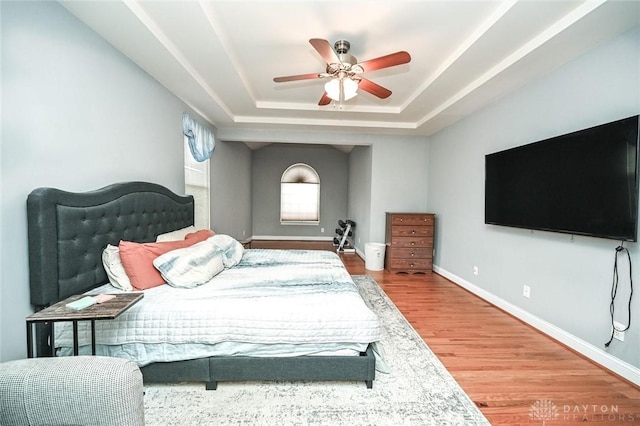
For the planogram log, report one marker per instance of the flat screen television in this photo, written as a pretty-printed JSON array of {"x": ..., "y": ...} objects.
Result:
[{"x": 581, "y": 183}]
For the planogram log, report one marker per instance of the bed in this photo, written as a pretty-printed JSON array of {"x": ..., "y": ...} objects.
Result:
[{"x": 68, "y": 233}]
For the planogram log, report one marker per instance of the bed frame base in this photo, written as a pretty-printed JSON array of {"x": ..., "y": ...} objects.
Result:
[{"x": 241, "y": 369}]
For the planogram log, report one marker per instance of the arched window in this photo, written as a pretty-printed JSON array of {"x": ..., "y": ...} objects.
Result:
[{"x": 300, "y": 195}]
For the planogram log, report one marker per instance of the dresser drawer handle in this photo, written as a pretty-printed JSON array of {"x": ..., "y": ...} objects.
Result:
[
  {"x": 401, "y": 219},
  {"x": 413, "y": 254},
  {"x": 413, "y": 243},
  {"x": 413, "y": 232}
]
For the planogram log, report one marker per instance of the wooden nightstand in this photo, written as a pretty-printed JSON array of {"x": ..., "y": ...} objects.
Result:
[{"x": 59, "y": 312}]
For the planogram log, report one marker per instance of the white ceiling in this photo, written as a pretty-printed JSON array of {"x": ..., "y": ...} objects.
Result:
[{"x": 220, "y": 57}]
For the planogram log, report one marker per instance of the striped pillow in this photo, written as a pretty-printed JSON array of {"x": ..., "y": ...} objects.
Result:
[
  {"x": 232, "y": 250},
  {"x": 190, "y": 266}
]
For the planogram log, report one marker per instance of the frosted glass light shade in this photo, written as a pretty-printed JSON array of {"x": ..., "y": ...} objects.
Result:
[
  {"x": 349, "y": 88},
  {"x": 333, "y": 89}
]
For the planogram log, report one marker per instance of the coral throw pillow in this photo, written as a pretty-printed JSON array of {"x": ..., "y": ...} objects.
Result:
[{"x": 137, "y": 258}]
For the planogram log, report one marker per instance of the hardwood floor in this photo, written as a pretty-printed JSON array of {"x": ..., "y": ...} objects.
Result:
[{"x": 515, "y": 374}]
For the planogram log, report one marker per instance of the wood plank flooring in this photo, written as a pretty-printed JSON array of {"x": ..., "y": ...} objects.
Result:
[{"x": 515, "y": 374}]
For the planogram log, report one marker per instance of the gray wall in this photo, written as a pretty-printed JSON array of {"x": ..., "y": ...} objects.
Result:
[
  {"x": 390, "y": 175},
  {"x": 359, "y": 204},
  {"x": 271, "y": 161},
  {"x": 570, "y": 279},
  {"x": 77, "y": 115},
  {"x": 385, "y": 173},
  {"x": 398, "y": 180},
  {"x": 230, "y": 172}
]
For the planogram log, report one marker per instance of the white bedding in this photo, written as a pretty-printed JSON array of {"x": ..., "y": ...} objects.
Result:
[{"x": 273, "y": 303}]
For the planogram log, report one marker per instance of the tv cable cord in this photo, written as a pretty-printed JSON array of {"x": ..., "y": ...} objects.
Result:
[{"x": 614, "y": 290}]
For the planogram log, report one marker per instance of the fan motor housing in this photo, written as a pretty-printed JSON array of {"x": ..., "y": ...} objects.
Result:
[{"x": 342, "y": 48}]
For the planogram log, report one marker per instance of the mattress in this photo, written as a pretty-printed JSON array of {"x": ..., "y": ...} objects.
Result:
[{"x": 272, "y": 303}]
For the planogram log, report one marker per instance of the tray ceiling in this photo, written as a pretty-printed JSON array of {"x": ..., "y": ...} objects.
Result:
[{"x": 220, "y": 57}]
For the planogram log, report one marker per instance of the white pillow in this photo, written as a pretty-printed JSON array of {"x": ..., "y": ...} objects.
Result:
[
  {"x": 190, "y": 266},
  {"x": 115, "y": 271},
  {"x": 231, "y": 248},
  {"x": 176, "y": 235}
]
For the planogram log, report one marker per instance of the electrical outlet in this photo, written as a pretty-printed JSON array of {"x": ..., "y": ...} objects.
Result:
[
  {"x": 475, "y": 270},
  {"x": 526, "y": 291},
  {"x": 619, "y": 335},
  {"x": 321, "y": 229}
]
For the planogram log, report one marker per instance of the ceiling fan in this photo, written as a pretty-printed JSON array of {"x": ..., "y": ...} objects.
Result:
[{"x": 344, "y": 71}]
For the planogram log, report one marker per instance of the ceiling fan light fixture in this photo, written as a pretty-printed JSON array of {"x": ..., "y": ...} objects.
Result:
[
  {"x": 344, "y": 70},
  {"x": 349, "y": 88}
]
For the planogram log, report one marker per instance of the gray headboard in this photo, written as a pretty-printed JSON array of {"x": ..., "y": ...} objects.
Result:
[{"x": 68, "y": 232}]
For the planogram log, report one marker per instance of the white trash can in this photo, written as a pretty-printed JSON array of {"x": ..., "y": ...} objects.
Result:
[{"x": 374, "y": 256}]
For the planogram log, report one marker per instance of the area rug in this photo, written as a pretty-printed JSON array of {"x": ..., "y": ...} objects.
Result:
[{"x": 417, "y": 391}]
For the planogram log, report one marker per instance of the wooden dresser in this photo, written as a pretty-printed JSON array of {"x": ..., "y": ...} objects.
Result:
[{"x": 409, "y": 240}]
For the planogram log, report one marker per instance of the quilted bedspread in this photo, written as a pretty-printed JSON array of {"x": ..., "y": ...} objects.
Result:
[{"x": 287, "y": 297}]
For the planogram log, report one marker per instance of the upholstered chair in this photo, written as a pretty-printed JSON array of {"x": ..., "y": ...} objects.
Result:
[{"x": 82, "y": 390}]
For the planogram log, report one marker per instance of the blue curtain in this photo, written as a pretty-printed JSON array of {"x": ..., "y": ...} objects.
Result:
[{"x": 201, "y": 139}]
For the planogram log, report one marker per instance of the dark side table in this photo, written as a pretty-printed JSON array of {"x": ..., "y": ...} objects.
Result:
[{"x": 100, "y": 311}]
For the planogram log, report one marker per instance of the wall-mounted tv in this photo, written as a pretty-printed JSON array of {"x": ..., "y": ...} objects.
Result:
[{"x": 581, "y": 183}]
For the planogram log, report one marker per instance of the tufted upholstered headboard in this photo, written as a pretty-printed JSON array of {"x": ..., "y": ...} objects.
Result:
[{"x": 68, "y": 232}]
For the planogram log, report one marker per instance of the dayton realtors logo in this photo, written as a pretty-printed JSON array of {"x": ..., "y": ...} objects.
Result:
[{"x": 546, "y": 411}]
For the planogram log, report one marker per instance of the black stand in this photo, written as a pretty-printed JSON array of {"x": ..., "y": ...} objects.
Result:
[{"x": 344, "y": 230}]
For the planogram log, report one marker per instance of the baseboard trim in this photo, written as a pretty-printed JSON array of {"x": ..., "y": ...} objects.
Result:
[
  {"x": 289, "y": 238},
  {"x": 595, "y": 354}
]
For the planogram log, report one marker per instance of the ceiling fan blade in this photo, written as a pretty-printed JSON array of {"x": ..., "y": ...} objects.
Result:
[
  {"x": 386, "y": 61},
  {"x": 297, "y": 77},
  {"x": 324, "y": 100},
  {"x": 374, "y": 89},
  {"x": 325, "y": 50}
]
